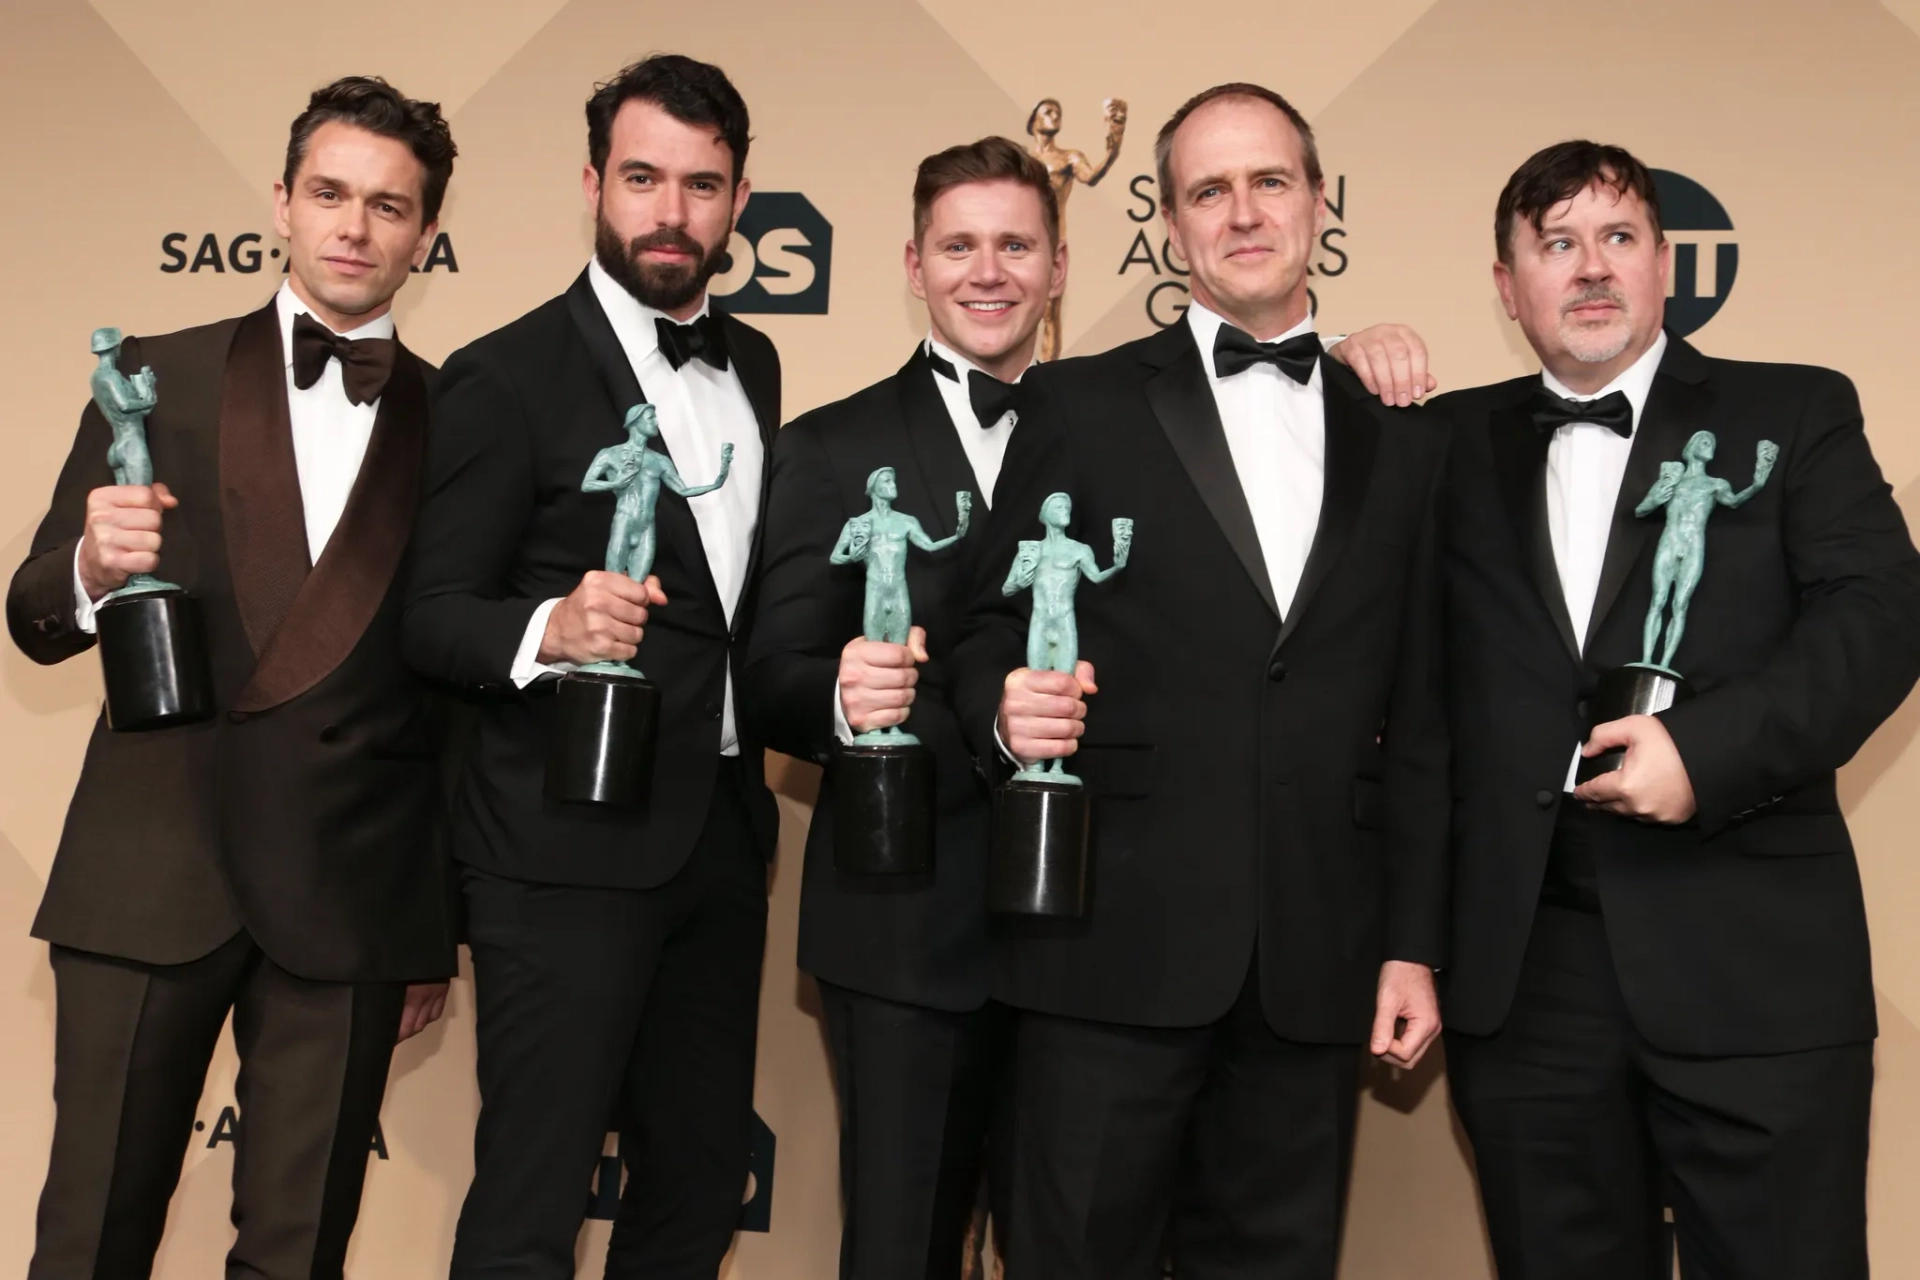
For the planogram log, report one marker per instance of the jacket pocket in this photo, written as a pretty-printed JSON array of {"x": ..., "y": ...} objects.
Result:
[{"x": 1793, "y": 835}]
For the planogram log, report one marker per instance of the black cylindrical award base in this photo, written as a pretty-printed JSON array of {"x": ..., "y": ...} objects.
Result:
[
  {"x": 883, "y": 810},
  {"x": 601, "y": 751},
  {"x": 153, "y": 656},
  {"x": 1038, "y": 865},
  {"x": 1632, "y": 690}
]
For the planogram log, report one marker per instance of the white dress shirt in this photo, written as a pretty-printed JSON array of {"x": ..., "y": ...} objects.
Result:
[
  {"x": 1585, "y": 465},
  {"x": 330, "y": 435},
  {"x": 1277, "y": 433},
  {"x": 699, "y": 408},
  {"x": 985, "y": 447}
]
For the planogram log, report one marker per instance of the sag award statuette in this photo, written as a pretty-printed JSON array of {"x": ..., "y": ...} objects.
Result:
[
  {"x": 1689, "y": 494},
  {"x": 883, "y": 783},
  {"x": 153, "y": 651},
  {"x": 1039, "y": 860},
  {"x": 607, "y": 714}
]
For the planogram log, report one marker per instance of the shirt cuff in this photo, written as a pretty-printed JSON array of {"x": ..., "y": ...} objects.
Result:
[
  {"x": 841, "y": 729},
  {"x": 1000, "y": 742},
  {"x": 527, "y": 666},
  {"x": 83, "y": 605}
]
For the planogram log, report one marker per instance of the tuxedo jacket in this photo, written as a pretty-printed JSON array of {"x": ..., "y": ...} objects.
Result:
[
  {"x": 919, "y": 942},
  {"x": 308, "y": 809},
  {"x": 1261, "y": 786},
  {"x": 517, "y": 419},
  {"x": 1741, "y": 931}
]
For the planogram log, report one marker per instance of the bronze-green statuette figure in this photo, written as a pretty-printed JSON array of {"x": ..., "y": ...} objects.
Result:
[
  {"x": 1690, "y": 495},
  {"x": 634, "y": 474},
  {"x": 125, "y": 402},
  {"x": 1053, "y": 566},
  {"x": 880, "y": 539}
]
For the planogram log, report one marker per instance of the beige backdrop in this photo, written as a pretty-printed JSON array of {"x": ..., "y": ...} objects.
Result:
[{"x": 132, "y": 120}]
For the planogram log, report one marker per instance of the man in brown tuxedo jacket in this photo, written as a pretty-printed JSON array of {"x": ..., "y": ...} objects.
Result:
[{"x": 282, "y": 860}]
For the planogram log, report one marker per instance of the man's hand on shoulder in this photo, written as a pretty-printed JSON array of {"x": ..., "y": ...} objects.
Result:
[{"x": 1390, "y": 360}]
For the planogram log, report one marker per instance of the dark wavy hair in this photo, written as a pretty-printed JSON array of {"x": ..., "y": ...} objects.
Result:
[
  {"x": 695, "y": 93},
  {"x": 370, "y": 103},
  {"x": 1556, "y": 174}
]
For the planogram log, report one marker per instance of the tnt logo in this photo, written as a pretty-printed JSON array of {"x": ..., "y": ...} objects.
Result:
[
  {"x": 756, "y": 1211},
  {"x": 782, "y": 256},
  {"x": 1705, "y": 255}
]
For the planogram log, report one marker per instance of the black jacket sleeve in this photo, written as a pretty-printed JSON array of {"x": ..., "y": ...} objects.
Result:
[
  {"x": 40, "y": 604},
  {"x": 1854, "y": 650},
  {"x": 462, "y": 626},
  {"x": 1418, "y": 782},
  {"x": 793, "y": 662}
]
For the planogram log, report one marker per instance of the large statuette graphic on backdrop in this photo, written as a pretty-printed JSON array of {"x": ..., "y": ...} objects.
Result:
[
  {"x": 883, "y": 782},
  {"x": 153, "y": 649},
  {"x": 607, "y": 714},
  {"x": 1038, "y": 864},
  {"x": 1689, "y": 495}
]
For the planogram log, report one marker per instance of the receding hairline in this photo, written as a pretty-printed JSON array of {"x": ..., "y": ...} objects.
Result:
[{"x": 1299, "y": 170}]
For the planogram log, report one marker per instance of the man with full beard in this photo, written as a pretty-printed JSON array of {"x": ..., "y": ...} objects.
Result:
[{"x": 616, "y": 954}]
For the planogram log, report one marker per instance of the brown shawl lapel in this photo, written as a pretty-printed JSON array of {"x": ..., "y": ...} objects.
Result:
[{"x": 303, "y": 622}]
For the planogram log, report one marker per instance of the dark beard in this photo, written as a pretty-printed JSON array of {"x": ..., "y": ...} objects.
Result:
[{"x": 662, "y": 288}]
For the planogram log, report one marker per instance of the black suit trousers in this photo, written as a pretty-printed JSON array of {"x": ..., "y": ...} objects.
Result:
[
  {"x": 629, "y": 1010},
  {"x": 1583, "y": 1132},
  {"x": 132, "y": 1044},
  {"x": 1222, "y": 1146},
  {"x": 917, "y": 1090}
]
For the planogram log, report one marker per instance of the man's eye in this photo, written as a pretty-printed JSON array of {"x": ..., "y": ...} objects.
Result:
[
  {"x": 1559, "y": 246},
  {"x": 1622, "y": 237},
  {"x": 1016, "y": 246}
]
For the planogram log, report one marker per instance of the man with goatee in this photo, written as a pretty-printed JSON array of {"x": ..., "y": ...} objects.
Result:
[{"x": 616, "y": 953}]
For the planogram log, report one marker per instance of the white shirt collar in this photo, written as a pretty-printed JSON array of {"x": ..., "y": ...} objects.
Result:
[
  {"x": 288, "y": 305},
  {"x": 961, "y": 365},
  {"x": 631, "y": 318},
  {"x": 1206, "y": 325},
  {"x": 1636, "y": 380}
]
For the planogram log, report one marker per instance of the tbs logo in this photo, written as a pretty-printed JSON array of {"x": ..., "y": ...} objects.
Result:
[
  {"x": 782, "y": 256},
  {"x": 1705, "y": 255}
]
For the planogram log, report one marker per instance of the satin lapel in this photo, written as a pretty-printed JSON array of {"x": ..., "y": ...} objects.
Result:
[
  {"x": 260, "y": 507},
  {"x": 942, "y": 465},
  {"x": 672, "y": 516},
  {"x": 1183, "y": 402},
  {"x": 1676, "y": 407},
  {"x": 762, "y": 385},
  {"x": 1520, "y": 466},
  {"x": 356, "y": 569},
  {"x": 1353, "y": 437}
]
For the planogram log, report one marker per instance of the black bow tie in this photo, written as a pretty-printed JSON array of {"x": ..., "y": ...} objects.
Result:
[
  {"x": 704, "y": 338},
  {"x": 1612, "y": 411},
  {"x": 1235, "y": 350},
  {"x": 992, "y": 399},
  {"x": 365, "y": 363}
]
